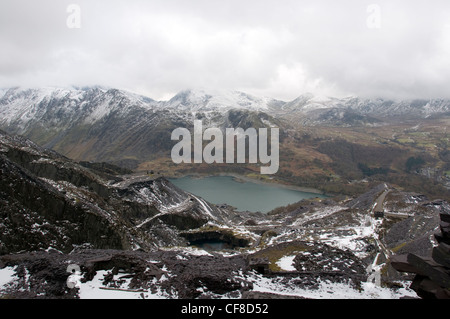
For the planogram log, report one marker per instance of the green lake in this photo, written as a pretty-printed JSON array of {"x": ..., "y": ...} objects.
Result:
[{"x": 244, "y": 196}]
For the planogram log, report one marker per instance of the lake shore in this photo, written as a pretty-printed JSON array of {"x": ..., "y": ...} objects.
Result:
[{"x": 246, "y": 179}]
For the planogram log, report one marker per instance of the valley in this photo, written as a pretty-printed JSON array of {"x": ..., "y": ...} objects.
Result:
[{"x": 342, "y": 160}]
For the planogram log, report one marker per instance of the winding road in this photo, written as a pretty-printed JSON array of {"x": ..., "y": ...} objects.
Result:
[{"x": 375, "y": 268}]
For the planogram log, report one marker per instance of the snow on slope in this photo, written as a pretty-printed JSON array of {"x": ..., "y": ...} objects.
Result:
[
  {"x": 22, "y": 105},
  {"x": 328, "y": 290},
  {"x": 219, "y": 100},
  {"x": 19, "y": 106}
]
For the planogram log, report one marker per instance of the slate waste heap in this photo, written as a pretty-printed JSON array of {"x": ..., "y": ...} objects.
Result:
[{"x": 432, "y": 274}]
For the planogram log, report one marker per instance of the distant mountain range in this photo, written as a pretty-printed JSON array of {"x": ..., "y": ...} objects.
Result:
[{"x": 99, "y": 124}]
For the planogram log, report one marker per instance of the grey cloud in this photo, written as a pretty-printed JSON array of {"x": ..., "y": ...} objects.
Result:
[{"x": 274, "y": 48}]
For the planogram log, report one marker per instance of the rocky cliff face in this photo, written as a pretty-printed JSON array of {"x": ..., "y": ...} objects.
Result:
[{"x": 51, "y": 201}]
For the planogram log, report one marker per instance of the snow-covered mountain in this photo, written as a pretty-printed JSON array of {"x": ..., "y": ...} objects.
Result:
[
  {"x": 66, "y": 105},
  {"x": 97, "y": 102},
  {"x": 200, "y": 101},
  {"x": 308, "y": 109},
  {"x": 102, "y": 124},
  {"x": 93, "y": 104},
  {"x": 21, "y": 108},
  {"x": 381, "y": 107}
]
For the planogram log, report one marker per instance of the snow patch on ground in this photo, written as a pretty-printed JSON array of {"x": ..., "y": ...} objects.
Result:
[
  {"x": 95, "y": 289},
  {"x": 7, "y": 275},
  {"x": 329, "y": 290},
  {"x": 286, "y": 263}
]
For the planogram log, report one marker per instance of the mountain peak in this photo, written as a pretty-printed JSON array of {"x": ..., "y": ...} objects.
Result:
[{"x": 216, "y": 100}]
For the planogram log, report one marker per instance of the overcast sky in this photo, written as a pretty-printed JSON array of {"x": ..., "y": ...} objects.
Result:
[{"x": 280, "y": 49}]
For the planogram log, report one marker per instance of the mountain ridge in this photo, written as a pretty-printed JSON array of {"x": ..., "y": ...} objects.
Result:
[{"x": 225, "y": 99}]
